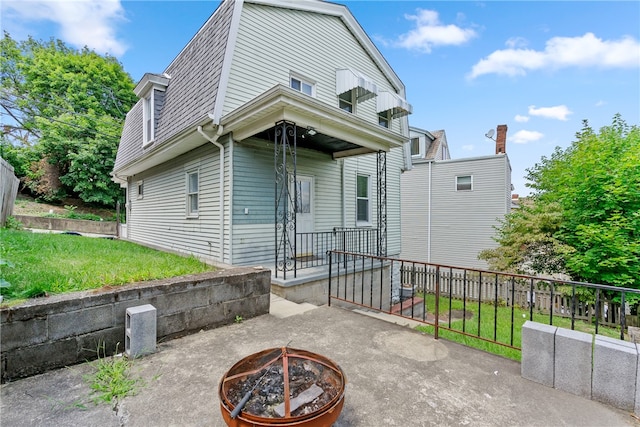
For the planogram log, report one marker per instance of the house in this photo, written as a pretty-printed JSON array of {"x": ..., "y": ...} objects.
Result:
[
  {"x": 450, "y": 206},
  {"x": 276, "y": 132}
]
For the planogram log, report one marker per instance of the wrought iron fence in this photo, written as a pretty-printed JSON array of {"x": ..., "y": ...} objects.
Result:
[
  {"x": 487, "y": 302},
  {"x": 312, "y": 248}
]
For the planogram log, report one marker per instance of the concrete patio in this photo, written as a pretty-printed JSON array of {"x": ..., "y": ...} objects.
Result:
[{"x": 396, "y": 377}]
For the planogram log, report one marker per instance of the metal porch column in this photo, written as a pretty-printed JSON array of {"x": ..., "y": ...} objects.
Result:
[
  {"x": 381, "y": 172},
  {"x": 284, "y": 148}
]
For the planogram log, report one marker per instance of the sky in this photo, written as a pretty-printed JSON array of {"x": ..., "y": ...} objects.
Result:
[{"x": 541, "y": 68}]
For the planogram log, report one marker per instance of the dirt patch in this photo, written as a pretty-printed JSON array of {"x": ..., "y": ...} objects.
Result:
[{"x": 25, "y": 205}]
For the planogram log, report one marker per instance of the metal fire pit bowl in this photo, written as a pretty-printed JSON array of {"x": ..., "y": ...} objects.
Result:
[{"x": 282, "y": 387}]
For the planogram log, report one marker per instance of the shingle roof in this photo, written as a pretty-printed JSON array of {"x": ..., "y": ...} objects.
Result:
[
  {"x": 435, "y": 144},
  {"x": 192, "y": 90}
]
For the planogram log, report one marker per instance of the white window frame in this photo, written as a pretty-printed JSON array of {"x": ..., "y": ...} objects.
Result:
[
  {"x": 148, "y": 131},
  {"x": 190, "y": 194},
  {"x": 140, "y": 189},
  {"x": 386, "y": 117},
  {"x": 458, "y": 184},
  {"x": 304, "y": 82},
  {"x": 367, "y": 222},
  {"x": 351, "y": 102},
  {"x": 419, "y": 153}
]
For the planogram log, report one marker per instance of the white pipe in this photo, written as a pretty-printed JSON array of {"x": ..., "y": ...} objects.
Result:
[
  {"x": 221, "y": 195},
  {"x": 429, "y": 218},
  {"x": 344, "y": 201}
]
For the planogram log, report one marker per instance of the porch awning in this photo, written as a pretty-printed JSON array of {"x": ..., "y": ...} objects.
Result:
[
  {"x": 389, "y": 101},
  {"x": 348, "y": 79}
]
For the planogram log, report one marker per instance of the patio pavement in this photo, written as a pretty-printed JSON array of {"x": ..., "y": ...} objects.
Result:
[{"x": 396, "y": 377}]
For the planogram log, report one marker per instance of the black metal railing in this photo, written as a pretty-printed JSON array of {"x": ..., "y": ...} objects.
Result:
[
  {"x": 312, "y": 248},
  {"x": 487, "y": 305}
]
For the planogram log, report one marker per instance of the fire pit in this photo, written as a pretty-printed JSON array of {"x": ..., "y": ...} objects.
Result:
[{"x": 282, "y": 387}]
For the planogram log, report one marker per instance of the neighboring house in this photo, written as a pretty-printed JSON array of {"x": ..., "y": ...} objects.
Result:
[
  {"x": 450, "y": 206},
  {"x": 267, "y": 93}
]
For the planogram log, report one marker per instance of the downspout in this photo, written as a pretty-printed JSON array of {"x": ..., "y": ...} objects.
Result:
[
  {"x": 429, "y": 218},
  {"x": 215, "y": 142},
  {"x": 344, "y": 201}
]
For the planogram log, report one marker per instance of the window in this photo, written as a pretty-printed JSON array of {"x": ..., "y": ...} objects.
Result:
[
  {"x": 192, "y": 193},
  {"x": 363, "y": 204},
  {"x": 345, "y": 101},
  {"x": 415, "y": 146},
  {"x": 140, "y": 189},
  {"x": 147, "y": 111},
  {"x": 384, "y": 119},
  {"x": 464, "y": 183},
  {"x": 303, "y": 86}
]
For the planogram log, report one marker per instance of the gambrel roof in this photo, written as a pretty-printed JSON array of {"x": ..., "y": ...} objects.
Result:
[{"x": 197, "y": 81}]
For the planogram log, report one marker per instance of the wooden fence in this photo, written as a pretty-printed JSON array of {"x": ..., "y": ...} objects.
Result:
[
  {"x": 461, "y": 284},
  {"x": 8, "y": 190}
]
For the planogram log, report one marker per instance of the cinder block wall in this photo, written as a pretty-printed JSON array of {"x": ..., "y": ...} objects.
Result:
[{"x": 48, "y": 333}]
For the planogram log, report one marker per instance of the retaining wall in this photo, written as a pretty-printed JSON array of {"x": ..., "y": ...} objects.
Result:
[
  {"x": 52, "y": 332},
  {"x": 66, "y": 224},
  {"x": 596, "y": 367}
]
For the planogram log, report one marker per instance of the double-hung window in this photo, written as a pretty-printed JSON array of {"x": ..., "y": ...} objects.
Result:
[
  {"x": 384, "y": 118},
  {"x": 147, "y": 111},
  {"x": 346, "y": 101},
  {"x": 363, "y": 200},
  {"x": 192, "y": 193}
]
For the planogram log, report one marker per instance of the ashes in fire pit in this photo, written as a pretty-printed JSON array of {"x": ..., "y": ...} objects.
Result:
[{"x": 282, "y": 384}]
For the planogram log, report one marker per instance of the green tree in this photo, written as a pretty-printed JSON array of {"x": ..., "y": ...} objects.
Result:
[
  {"x": 66, "y": 107},
  {"x": 591, "y": 193}
]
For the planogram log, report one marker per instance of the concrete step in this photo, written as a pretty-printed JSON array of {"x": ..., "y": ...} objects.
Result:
[{"x": 282, "y": 308}]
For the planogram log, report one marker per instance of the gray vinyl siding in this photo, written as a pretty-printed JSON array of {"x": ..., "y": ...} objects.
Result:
[
  {"x": 254, "y": 189},
  {"x": 159, "y": 218},
  {"x": 461, "y": 221},
  {"x": 415, "y": 211},
  {"x": 367, "y": 165},
  {"x": 266, "y": 53},
  {"x": 465, "y": 219}
]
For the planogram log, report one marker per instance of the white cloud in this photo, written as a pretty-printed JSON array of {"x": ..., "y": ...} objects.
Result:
[
  {"x": 525, "y": 136},
  {"x": 516, "y": 42},
  {"x": 82, "y": 22},
  {"x": 558, "y": 112},
  {"x": 468, "y": 147},
  {"x": 430, "y": 32},
  {"x": 521, "y": 119},
  {"x": 561, "y": 52},
  {"x": 601, "y": 103}
]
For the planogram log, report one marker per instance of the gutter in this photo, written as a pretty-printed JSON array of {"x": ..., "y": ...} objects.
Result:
[{"x": 215, "y": 142}]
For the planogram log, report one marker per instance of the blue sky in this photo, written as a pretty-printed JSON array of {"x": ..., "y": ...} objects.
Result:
[{"x": 541, "y": 68}]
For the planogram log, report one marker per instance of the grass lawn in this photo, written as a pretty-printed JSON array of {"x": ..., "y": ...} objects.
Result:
[
  {"x": 35, "y": 264},
  {"x": 503, "y": 330}
]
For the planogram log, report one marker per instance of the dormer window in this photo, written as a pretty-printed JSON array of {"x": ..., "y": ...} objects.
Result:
[
  {"x": 303, "y": 85},
  {"x": 151, "y": 90},
  {"x": 147, "y": 111},
  {"x": 415, "y": 147}
]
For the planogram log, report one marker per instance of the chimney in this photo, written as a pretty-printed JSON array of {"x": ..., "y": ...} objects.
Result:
[{"x": 501, "y": 139}]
